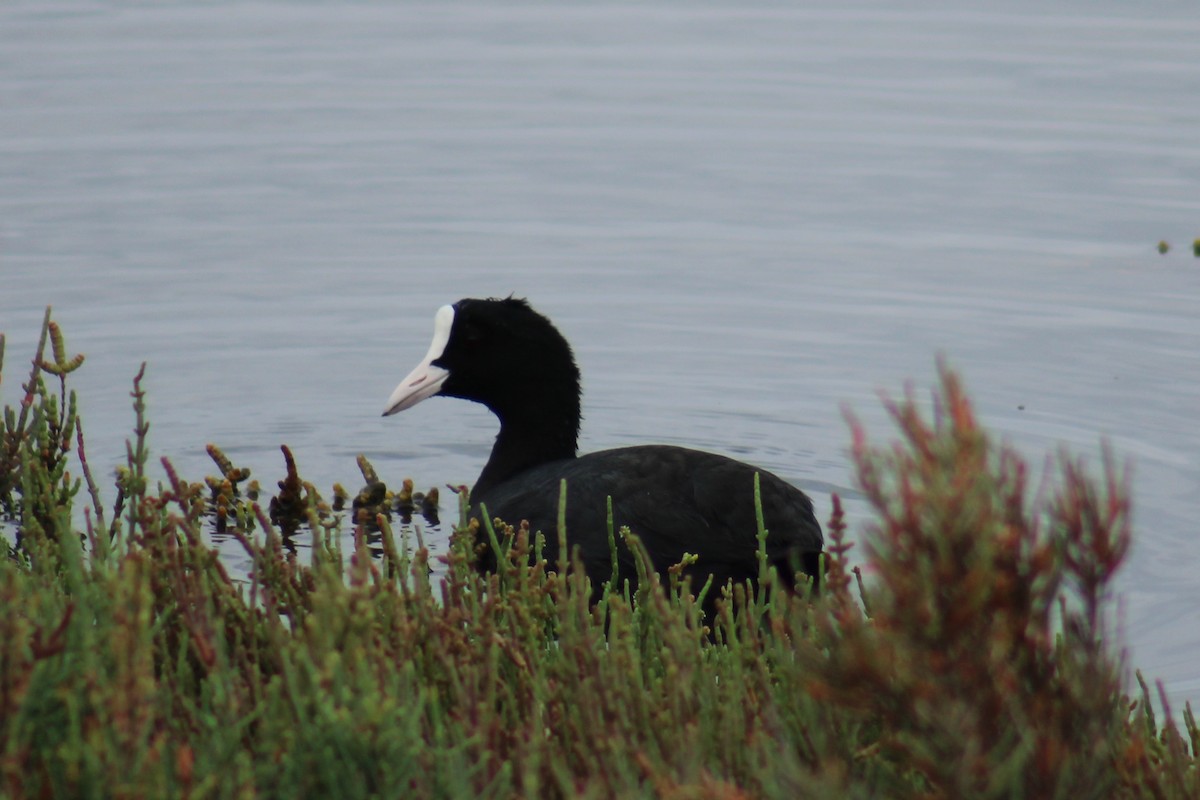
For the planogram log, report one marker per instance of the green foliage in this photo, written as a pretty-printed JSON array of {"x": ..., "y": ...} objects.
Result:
[{"x": 133, "y": 665}]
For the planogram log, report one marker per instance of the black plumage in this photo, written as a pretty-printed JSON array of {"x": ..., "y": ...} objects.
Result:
[{"x": 505, "y": 355}]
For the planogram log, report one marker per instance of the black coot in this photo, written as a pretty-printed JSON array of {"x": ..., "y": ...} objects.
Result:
[{"x": 507, "y": 356}]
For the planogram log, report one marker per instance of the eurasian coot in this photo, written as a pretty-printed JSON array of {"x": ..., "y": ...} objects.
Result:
[{"x": 505, "y": 355}]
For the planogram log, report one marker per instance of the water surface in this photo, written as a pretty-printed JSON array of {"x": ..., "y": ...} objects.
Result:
[{"x": 745, "y": 216}]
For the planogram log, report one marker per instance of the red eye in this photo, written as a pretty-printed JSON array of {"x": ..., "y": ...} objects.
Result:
[{"x": 472, "y": 336}]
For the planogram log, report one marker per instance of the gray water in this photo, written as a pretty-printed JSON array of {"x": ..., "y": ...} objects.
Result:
[{"x": 746, "y": 217}]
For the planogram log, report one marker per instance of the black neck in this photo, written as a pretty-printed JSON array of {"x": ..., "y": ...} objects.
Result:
[{"x": 530, "y": 436}]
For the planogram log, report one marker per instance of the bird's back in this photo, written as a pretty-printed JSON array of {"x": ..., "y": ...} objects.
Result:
[{"x": 676, "y": 500}]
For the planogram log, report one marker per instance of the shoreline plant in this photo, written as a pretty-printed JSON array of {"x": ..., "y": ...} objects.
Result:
[{"x": 971, "y": 661}]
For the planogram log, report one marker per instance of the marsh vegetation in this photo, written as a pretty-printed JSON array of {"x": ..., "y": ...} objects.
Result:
[{"x": 964, "y": 651}]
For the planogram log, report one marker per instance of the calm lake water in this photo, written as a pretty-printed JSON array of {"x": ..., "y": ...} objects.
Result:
[{"x": 745, "y": 216}]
